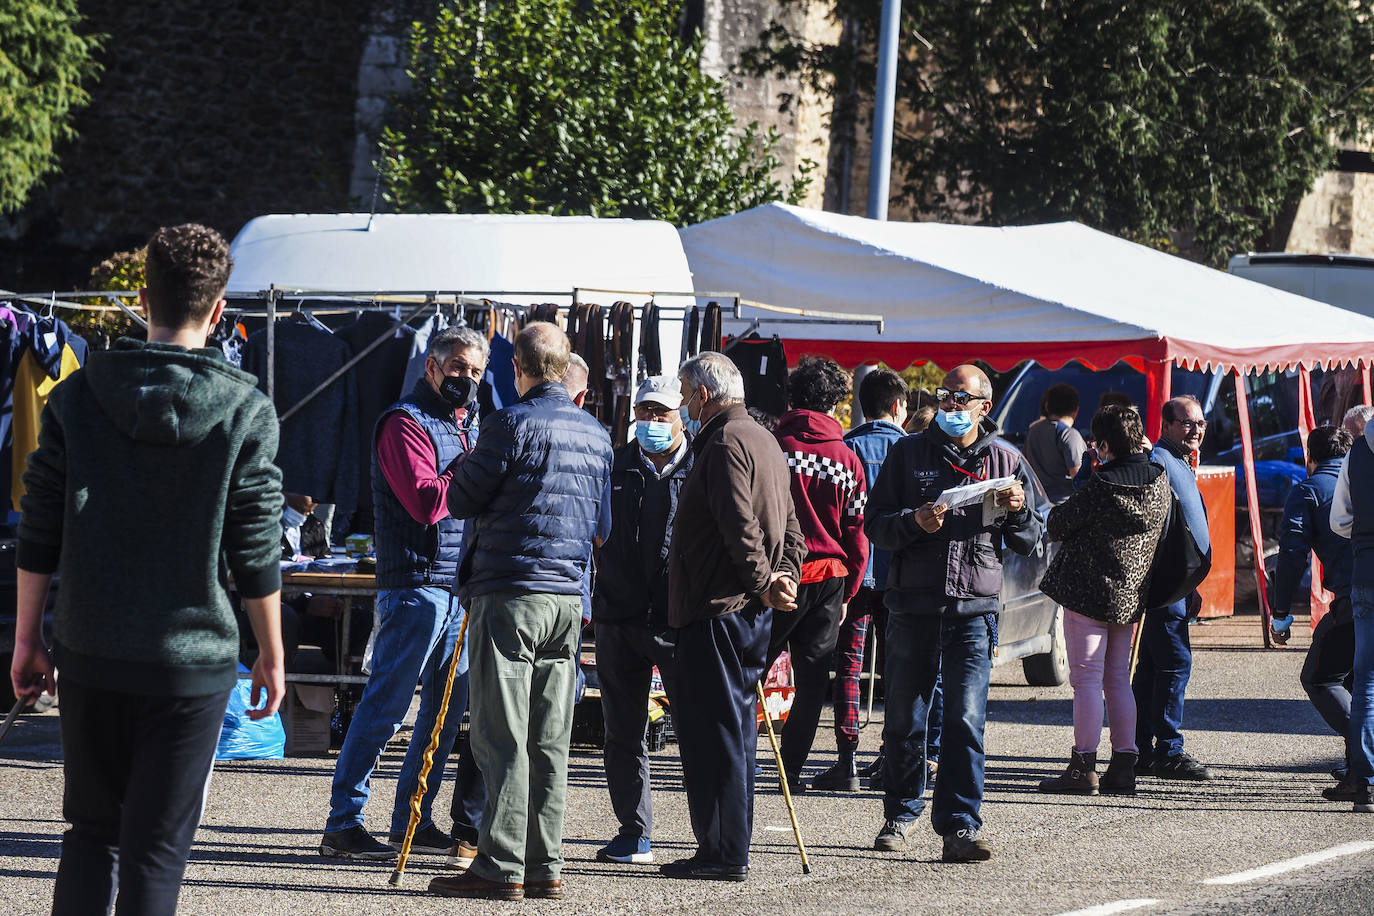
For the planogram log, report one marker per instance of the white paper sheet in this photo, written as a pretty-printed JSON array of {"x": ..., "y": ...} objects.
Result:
[{"x": 955, "y": 497}]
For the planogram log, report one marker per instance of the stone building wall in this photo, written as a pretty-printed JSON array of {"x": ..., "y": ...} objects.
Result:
[
  {"x": 1336, "y": 216},
  {"x": 213, "y": 112}
]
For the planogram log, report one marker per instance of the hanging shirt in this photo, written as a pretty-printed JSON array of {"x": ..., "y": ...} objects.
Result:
[{"x": 48, "y": 359}]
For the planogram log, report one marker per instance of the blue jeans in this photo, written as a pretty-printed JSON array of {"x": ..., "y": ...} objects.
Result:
[
  {"x": 921, "y": 649},
  {"x": 1161, "y": 677},
  {"x": 417, "y": 629},
  {"x": 1362, "y": 696}
]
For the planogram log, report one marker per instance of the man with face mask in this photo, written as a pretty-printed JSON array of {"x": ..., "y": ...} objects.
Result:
[
  {"x": 942, "y": 598},
  {"x": 630, "y": 604},
  {"x": 418, "y": 440}
]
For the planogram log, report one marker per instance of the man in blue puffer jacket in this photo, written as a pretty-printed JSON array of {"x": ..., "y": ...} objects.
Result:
[{"x": 532, "y": 487}]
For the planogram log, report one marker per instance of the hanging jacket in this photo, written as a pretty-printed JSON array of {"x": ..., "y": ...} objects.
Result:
[
  {"x": 632, "y": 565},
  {"x": 47, "y": 359},
  {"x": 153, "y": 481},
  {"x": 871, "y": 442},
  {"x": 410, "y": 553},
  {"x": 319, "y": 454},
  {"x": 963, "y": 558},
  {"x": 829, "y": 489},
  {"x": 533, "y": 486}
]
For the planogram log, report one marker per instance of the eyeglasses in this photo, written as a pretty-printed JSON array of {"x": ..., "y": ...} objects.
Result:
[
  {"x": 1191, "y": 424},
  {"x": 961, "y": 398}
]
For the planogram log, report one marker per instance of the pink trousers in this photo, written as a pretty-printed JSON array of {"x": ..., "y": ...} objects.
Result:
[{"x": 1100, "y": 665}]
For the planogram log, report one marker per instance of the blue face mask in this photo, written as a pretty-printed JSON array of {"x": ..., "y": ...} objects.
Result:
[
  {"x": 693, "y": 426},
  {"x": 654, "y": 435},
  {"x": 955, "y": 423}
]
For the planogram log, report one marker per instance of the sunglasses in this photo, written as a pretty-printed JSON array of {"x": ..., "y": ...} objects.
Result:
[{"x": 961, "y": 398}]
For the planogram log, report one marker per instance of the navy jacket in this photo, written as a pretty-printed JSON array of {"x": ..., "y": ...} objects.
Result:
[
  {"x": 1307, "y": 526},
  {"x": 871, "y": 443},
  {"x": 963, "y": 559},
  {"x": 532, "y": 487},
  {"x": 632, "y": 574},
  {"x": 1360, "y": 471}
]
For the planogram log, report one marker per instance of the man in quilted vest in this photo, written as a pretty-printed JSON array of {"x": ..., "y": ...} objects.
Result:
[{"x": 417, "y": 442}]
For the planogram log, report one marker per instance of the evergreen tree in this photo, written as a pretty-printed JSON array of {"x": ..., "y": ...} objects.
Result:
[
  {"x": 43, "y": 63},
  {"x": 1156, "y": 120},
  {"x": 564, "y": 107}
]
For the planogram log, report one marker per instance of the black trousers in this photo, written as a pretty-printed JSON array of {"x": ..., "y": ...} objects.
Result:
[
  {"x": 626, "y": 654},
  {"x": 809, "y": 635},
  {"x": 720, "y": 661},
  {"x": 469, "y": 799},
  {"x": 137, "y": 769},
  {"x": 1329, "y": 667}
]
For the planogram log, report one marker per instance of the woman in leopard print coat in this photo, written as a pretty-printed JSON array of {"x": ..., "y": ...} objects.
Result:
[{"x": 1108, "y": 532}]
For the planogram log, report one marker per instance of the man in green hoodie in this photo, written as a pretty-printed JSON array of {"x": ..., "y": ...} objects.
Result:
[{"x": 153, "y": 482}]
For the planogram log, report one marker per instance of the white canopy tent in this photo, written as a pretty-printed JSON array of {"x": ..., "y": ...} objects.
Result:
[
  {"x": 952, "y": 294},
  {"x": 1055, "y": 292},
  {"x": 499, "y": 256}
]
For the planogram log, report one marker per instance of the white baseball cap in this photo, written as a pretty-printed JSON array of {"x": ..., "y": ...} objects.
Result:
[{"x": 661, "y": 389}]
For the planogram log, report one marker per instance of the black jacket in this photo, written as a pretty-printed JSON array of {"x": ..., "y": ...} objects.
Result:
[
  {"x": 631, "y": 576},
  {"x": 963, "y": 559}
]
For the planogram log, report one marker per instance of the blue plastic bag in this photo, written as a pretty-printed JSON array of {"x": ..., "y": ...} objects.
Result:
[{"x": 243, "y": 738}]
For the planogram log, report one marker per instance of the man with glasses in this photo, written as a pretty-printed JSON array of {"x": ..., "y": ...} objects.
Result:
[
  {"x": 1166, "y": 657},
  {"x": 942, "y": 597}
]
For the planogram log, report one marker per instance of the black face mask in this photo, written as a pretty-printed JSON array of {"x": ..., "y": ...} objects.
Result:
[{"x": 460, "y": 391}]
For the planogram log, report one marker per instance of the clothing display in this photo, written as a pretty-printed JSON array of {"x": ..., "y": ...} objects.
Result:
[
  {"x": 710, "y": 328},
  {"x": 763, "y": 363}
]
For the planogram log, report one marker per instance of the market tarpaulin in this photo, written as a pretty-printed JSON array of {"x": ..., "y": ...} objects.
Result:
[{"x": 1053, "y": 293}]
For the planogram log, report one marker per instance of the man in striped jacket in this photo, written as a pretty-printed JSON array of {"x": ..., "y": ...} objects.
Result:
[{"x": 828, "y": 493}]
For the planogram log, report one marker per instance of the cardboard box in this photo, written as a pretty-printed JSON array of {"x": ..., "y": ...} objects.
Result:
[{"x": 305, "y": 714}]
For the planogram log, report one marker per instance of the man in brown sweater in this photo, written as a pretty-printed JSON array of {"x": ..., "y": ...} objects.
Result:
[{"x": 735, "y": 557}]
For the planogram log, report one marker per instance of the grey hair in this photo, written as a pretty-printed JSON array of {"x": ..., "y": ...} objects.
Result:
[
  {"x": 577, "y": 366},
  {"x": 442, "y": 344},
  {"x": 722, "y": 379},
  {"x": 1357, "y": 416}
]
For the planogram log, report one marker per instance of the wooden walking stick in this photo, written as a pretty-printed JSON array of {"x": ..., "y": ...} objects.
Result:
[
  {"x": 782, "y": 778},
  {"x": 422, "y": 785}
]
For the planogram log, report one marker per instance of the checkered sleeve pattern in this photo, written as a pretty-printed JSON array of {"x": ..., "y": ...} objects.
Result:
[{"x": 808, "y": 464}]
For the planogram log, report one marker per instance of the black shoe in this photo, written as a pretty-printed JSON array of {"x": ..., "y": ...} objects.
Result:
[
  {"x": 1345, "y": 790},
  {"x": 874, "y": 768},
  {"x": 1364, "y": 801},
  {"x": 795, "y": 785},
  {"x": 431, "y": 841},
  {"x": 892, "y": 836},
  {"x": 355, "y": 843},
  {"x": 842, "y": 777},
  {"x": 965, "y": 846},
  {"x": 1144, "y": 767},
  {"x": 1183, "y": 766},
  {"x": 700, "y": 871}
]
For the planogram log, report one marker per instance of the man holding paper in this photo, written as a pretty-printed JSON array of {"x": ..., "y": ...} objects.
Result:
[{"x": 942, "y": 597}]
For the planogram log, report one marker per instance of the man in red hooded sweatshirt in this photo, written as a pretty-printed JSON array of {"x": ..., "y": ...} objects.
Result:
[{"x": 828, "y": 493}]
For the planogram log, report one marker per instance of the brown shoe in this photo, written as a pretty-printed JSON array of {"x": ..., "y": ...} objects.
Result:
[
  {"x": 461, "y": 854},
  {"x": 1078, "y": 778},
  {"x": 469, "y": 884},
  {"x": 544, "y": 890}
]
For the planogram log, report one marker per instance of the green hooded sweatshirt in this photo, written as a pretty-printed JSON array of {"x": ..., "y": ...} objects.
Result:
[{"x": 153, "y": 481}]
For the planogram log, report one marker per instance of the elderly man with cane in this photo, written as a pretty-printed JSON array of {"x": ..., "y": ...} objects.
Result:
[
  {"x": 532, "y": 487},
  {"x": 735, "y": 557},
  {"x": 418, "y": 440}
]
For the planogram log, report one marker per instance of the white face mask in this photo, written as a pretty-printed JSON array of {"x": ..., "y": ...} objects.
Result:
[{"x": 290, "y": 518}]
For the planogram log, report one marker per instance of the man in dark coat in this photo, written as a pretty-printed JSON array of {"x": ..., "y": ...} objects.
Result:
[
  {"x": 630, "y": 605},
  {"x": 735, "y": 557},
  {"x": 942, "y": 598}
]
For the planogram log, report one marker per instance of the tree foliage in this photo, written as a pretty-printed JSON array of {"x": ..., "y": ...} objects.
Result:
[
  {"x": 1154, "y": 119},
  {"x": 43, "y": 63},
  {"x": 564, "y": 107}
]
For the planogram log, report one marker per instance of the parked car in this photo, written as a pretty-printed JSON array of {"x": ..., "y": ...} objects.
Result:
[{"x": 1031, "y": 625}]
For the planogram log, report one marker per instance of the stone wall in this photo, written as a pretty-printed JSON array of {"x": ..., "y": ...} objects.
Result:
[
  {"x": 213, "y": 112},
  {"x": 1336, "y": 216}
]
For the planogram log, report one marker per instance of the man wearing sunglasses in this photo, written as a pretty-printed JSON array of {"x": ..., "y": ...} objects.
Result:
[
  {"x": 943, "y": 588},
  {"x": 1166, "y": 657}
]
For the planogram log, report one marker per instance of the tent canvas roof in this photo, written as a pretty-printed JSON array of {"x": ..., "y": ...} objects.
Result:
[{"x": 1052, "y": 293}]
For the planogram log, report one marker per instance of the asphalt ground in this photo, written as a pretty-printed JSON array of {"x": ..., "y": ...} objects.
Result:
[{"x": 1246, "y": 717}]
